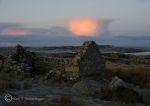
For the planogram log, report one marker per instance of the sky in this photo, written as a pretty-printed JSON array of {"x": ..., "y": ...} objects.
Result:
[{"x": 70, "y": 22}]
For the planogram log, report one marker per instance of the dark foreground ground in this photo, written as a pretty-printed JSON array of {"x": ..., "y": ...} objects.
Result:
[{"x": 127, "y": 83}]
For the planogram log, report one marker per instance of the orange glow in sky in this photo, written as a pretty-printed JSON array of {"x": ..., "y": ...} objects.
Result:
[
  {"x": 84, "y": 27},
  {"x": 17, "y": 32}
]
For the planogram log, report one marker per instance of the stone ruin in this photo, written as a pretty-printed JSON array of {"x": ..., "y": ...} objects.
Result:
[
  {"x": 87, "y": 62},
  {"x": 2, "y": 59}
]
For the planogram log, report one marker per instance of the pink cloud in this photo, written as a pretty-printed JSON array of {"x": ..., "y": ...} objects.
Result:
[
  {"x": 12, "y": 44},
  {"x": 84, "y": 27},
  {"x": 18, "y": 32},
  {"x": 5, "y": 44}
]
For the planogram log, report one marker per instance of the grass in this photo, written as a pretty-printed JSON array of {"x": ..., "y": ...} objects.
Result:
[
  {"x": 6, "y": 84},
  {"x": 25, "y": 103},
  {"x": 135, "y": 73},
  {"x": 120, "y": 95},
  {"x": 65, "y": 100}
]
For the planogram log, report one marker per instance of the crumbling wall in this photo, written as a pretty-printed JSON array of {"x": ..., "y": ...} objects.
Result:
[
  {"x": 91, "y": 62},
  {"x": 71, "y": 69},
  {"x": 87, "y": 62},
  {"x": 56, "y": 63}
]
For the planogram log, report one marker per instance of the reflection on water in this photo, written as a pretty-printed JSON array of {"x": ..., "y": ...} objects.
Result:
[{"x": 139, "y": 53}]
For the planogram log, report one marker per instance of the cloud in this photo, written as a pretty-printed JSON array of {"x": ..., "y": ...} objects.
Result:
[
  {"x": 146, "y": 37},
  {"x": 5, "y": 25},
  {"x": 52, "y": 31},
  {"x": 84, "y": 27},
  {"x": 53, "y": 36},
  {"x": 13, "y": 29},
  {"x": 8, "y": 44},
  {"x": 71, "y": 40},
  {"x": 88, "y": 26},
  {"x": 18, "y": 32},
  {"x": 14, "y": 33},
  {"x": 105, "y": 23}
]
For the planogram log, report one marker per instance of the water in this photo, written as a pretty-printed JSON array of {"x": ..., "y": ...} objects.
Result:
[{"x": 140, "y": 53}]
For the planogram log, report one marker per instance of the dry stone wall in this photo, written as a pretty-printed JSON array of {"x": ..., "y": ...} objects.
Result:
[{"x": 87, "y": 62}]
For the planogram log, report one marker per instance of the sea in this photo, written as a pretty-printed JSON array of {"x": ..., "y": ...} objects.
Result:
[{"x": 140, "y": 53}]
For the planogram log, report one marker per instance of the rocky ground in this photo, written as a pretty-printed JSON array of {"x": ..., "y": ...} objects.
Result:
[
  {"x": 83, "y": 93},
  {"x": 126, "y": 81}
]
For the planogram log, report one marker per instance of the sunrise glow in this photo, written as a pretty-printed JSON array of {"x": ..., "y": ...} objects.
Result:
[
  {"x": 18, "y": 32},
  {"x": 84, "y": 27}
]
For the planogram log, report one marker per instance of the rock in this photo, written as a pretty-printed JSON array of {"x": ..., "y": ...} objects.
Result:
[
  {"x": 53, "y": 74},
  {"x": 116, "y": 83},
  {"x": 14, "y": 62},
  {"x": 88, "y": 87},
  {"x": 140, "y": 94}
]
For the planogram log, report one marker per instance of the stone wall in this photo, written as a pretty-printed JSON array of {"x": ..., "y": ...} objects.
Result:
[
  {"x": 57, "y": 63},
  {"x": 87, "y": 62}
]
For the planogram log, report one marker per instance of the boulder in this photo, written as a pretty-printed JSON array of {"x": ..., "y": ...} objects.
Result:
[
  {"x": 116, "y": 82},
  {"x": 53, "y": 74},
  {"x": 141, "y": 95}
]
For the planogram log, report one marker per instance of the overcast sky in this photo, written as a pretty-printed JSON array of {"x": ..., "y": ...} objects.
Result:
[{"x": 28, "y": 21}]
